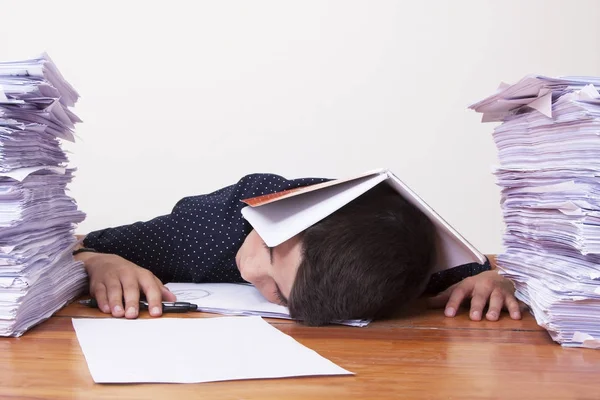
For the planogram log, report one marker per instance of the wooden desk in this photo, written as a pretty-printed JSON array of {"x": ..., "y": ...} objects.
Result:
[{"x": 422, "y": 357}]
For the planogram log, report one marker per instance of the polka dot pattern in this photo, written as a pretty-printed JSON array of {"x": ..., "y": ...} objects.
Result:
[{"x": 198, "y": 241}]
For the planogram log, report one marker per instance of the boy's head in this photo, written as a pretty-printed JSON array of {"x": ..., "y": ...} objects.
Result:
[{"x": 366, "y": 260}]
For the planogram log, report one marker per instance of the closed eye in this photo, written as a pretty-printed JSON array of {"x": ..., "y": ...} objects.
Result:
[{"x": 270, "y": 249}]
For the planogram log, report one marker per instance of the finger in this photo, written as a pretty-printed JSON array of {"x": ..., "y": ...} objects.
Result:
[
  {"x": 152, "y": 289},
  {"x": 460, "y": 292},
  {"x": 440, "y": 300},
  {"x": 512, "y": 305},
  {"x": 131, "y": 293},
  {"x": 478, "y": 302},
  {"x": 496, "y": 303},
  {"x": 167, "y": 295},
  {"x": 99, "y": 293},
  {"x": 115, "y": 297}
]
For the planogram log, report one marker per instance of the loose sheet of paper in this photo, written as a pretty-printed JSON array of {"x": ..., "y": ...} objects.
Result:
[
  {"x": 193, "y": 350},
  {"x": 227, "y": 298}
]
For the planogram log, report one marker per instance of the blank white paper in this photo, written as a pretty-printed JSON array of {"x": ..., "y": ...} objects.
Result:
[{"x": 193, "y": 350}]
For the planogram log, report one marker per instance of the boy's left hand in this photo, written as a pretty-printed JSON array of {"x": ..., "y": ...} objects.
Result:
[{"x": 488, "y": 285}]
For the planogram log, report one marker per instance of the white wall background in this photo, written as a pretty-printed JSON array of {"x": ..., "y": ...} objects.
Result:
[{"x": 184, "y": 97}]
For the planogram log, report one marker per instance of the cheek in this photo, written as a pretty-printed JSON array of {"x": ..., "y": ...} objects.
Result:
[{"x": 267, "y": 289}]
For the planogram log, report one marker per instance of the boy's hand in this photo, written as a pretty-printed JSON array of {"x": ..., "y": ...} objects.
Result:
[
  {"x": 488, "y": 285},
  {"x": 113, "y": 278}
]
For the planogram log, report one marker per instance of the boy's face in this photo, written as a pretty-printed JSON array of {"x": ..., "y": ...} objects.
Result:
[{"x": 271, "y": 270}]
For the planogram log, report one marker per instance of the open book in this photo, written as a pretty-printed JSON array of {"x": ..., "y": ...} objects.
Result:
[{"x": 278, "y": 217}]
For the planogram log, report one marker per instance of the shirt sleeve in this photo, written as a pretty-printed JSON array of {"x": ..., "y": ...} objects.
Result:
[
  {"x": 146, "y": 243},
  {"x": 198, "y": 240},
  {"x": 442, "y": 280}
]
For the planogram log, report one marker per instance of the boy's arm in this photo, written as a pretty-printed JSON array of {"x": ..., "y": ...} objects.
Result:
[
  {"x": 483, "y": 288},
  {"x": 114, "y": 279},
  {"x": 165, "y": 247},
  {"x": 444, "y": 279},
  {"x": 148, "y": 244}
]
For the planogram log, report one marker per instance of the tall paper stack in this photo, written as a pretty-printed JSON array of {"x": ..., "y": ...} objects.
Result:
[
  {"x": 38, "y": 274},
  {"x": 549, "y": 154}
]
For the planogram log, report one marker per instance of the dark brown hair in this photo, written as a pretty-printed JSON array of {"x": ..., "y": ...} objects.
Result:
[{"x": 366, "y": 260}]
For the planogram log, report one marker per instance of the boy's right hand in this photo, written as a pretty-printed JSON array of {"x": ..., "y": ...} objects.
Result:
[{"x": 113, "y": 278}]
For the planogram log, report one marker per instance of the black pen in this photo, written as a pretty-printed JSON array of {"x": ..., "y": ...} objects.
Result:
[{"x": 167, "y": 306}]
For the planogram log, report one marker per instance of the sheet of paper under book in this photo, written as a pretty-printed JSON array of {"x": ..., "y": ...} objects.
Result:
[
  {"x": 194, "y": 350},
  {"x": 236, "y": 299}
]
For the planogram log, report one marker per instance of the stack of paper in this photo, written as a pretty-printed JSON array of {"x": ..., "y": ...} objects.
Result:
[
  {"x": 236, "y": 299},
  {"x": 37, "y": 272},
  {"x": 549, "y": 153}
]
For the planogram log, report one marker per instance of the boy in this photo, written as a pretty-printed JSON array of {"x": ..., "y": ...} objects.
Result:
[{"x": 366, "y": 260}]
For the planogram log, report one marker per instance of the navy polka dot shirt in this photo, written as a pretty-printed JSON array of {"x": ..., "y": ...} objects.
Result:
[{"x": 198, "y": 241}]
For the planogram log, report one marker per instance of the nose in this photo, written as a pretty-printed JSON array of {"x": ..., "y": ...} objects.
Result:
[{"x": 250, "y": 270}]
